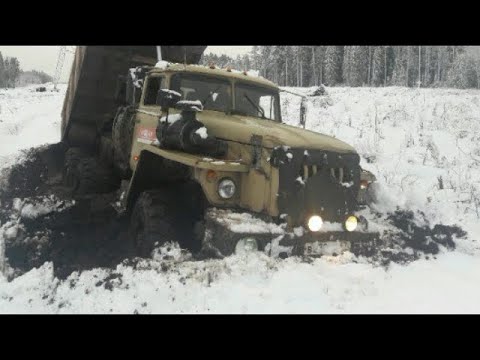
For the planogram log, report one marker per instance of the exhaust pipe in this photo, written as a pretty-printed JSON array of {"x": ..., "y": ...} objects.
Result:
[{"x": 159, "y": 53}]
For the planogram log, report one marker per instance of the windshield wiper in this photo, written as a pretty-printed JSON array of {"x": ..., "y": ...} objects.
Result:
[
  {"x": 259, "y": 108},
  {"x": 210, "y": 94}
]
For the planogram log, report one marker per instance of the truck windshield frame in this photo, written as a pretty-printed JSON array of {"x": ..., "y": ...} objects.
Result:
[
  {"x": 257, "y": 101},
  {"x": 213, "y": 92}
]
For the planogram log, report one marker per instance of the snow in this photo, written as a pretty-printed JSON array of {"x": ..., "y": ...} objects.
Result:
[
  {"x": 28, "y": 119},
  {"x": 328, "y": 226},
  {"x": 171, "y": 118},
  {"x": 300, "y": 180},
  {"x": 138, "y": 83},
  {"x": 195, "y": 104},
  {"x": 409, "y": 138},
  {"x": 254, "y": 284},
  {"x": 162, "y": 64},
  {"x": 202, "y": 132},
  {"x": 245, "y": 223}
]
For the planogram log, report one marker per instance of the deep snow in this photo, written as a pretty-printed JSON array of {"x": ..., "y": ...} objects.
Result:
[{"x": 410, "y": 138}]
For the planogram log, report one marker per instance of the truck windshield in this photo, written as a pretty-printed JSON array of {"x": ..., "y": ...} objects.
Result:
[
  {"x": 257, "y": 101},
  {"x": 214, "y": 93}
]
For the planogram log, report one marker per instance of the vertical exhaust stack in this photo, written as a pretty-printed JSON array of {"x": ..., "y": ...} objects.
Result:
[{"x": 159, "y": 53}]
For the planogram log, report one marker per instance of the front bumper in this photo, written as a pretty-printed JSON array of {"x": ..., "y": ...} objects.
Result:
[
  {"x": 224, "y": 228},
  {"x": 331, "y": 243}
]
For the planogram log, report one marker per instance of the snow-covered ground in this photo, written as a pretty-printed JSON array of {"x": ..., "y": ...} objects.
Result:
[
  {"x": 28, "y": 118},
  {"x": 423, "y": 145}
]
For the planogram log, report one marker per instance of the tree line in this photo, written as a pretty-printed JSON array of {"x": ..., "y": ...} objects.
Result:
[
  {"x": 412, "y": 66},
  {"x": 12, "y": 75},
  {"x": 9, "y": 71}
]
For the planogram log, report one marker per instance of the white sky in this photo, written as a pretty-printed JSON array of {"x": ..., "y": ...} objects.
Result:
[{"x": 44, "y": 58}]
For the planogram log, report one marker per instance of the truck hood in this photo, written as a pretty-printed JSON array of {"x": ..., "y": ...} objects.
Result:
[{"x": 241, "y": 128}]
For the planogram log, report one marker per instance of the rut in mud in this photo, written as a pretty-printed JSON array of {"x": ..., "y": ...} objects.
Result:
[
  {"x": 39, "y": 222},
  {"x": 42, "y": 223}
]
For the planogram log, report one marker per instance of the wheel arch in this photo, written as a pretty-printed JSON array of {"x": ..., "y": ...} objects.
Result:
[{"x": 153, "y": 171}]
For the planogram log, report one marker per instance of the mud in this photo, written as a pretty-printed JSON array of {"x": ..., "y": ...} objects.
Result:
[
  {"x": 39, "y": 222},
  {"x": 414, "y": 237},
  {"x": 75, "y": 234}
]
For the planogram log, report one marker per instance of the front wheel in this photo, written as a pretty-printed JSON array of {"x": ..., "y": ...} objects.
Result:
[{"x": 152, "y": 222}]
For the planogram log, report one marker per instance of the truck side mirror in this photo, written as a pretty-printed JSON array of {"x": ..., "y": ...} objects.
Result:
[{"x": 167, "y": 98}]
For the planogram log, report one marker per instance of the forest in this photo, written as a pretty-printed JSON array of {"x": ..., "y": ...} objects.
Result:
[
  {"x": 11, "y": 74},
  {"x": 410, "y": 66}
]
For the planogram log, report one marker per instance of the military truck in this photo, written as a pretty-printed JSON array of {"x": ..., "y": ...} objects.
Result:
[{"x": 200, "y": 157}]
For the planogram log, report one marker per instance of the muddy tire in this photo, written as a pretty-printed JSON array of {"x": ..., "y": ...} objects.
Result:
[
  {"x": 152, "y": 221},
  {"x": 122, "y": 136},
  {"x": 73, "y": 157},
  {"x": 86, "y": 175}
]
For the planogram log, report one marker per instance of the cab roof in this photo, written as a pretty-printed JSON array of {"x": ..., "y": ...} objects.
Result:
[{"x": 164, "y": 67}]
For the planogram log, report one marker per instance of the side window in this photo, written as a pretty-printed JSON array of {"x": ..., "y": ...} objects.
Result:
[{"x": 153, "y": 85}]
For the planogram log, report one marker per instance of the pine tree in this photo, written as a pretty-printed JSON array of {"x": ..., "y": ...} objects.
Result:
[
  {"x": 333, "y": 65},
  {"x": 2, "y": 71},
  {"x": 456, "y": 66},
  {"x": 265, "y": 58},
  {"x": 14, "y": 71},
  {"x": 356, "y": 65},
  {"x": 318, "y": 63},
  {"x": 378, "y": 66},
  {"x": 7, "y": 72},
  {"x": 305, "y": 57},
  {"x": 289, "y": 65},
  {"x": 255, "y": 56},
  {"x": 399, "y": 73},
  {"x": 463, "y": 72}
]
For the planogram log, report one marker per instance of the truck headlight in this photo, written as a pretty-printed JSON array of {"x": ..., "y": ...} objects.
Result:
[
  {"x": 226, "y": 188},
  {"x": 351, "y": 223},
  {"x": 315, "y": 223}
]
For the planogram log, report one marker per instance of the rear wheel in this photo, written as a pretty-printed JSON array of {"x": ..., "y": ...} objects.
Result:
[
  {"x": 72, "y": 159},
  {"x": 85, "y": 175}
]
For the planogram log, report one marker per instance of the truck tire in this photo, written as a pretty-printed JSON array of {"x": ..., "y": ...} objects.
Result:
[
  {"x": 86, "y": 175},
  {"x": 122, "y": 137},
  {"x": 152, "y": 221},
  {"x": 73, "y": 157}
]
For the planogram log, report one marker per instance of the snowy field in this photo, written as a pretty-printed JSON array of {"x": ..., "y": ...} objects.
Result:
[{"x": 423, "y": 145}]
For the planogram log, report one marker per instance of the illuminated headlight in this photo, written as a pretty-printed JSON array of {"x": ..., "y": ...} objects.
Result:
[
  {"x": 351, "y": 223},
  {"x": 245, "y": 246},
  {"x": 315, "y": 223},
  {"x": 226, "y": 189},
  {"x": 364, "y": 184}
]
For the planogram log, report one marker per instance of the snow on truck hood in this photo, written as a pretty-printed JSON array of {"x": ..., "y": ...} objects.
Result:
[{"x": 241, "y": 129}]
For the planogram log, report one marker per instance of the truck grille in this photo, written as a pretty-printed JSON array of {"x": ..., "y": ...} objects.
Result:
[
  {"x": 339, "y": 174},
  {"x": 330, "y": 183}
]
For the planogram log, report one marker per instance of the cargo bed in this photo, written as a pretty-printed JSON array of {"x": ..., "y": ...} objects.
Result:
[{"x": 90, "y": 98}]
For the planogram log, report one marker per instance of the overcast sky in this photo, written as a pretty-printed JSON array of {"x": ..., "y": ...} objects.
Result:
[{"x": 44, "y": 58}]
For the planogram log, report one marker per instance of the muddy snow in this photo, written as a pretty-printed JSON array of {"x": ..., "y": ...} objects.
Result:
[{"x": 422, "y": 144}]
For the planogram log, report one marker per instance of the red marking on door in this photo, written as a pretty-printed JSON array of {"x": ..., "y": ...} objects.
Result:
[{"x": 147, "y": 133}]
